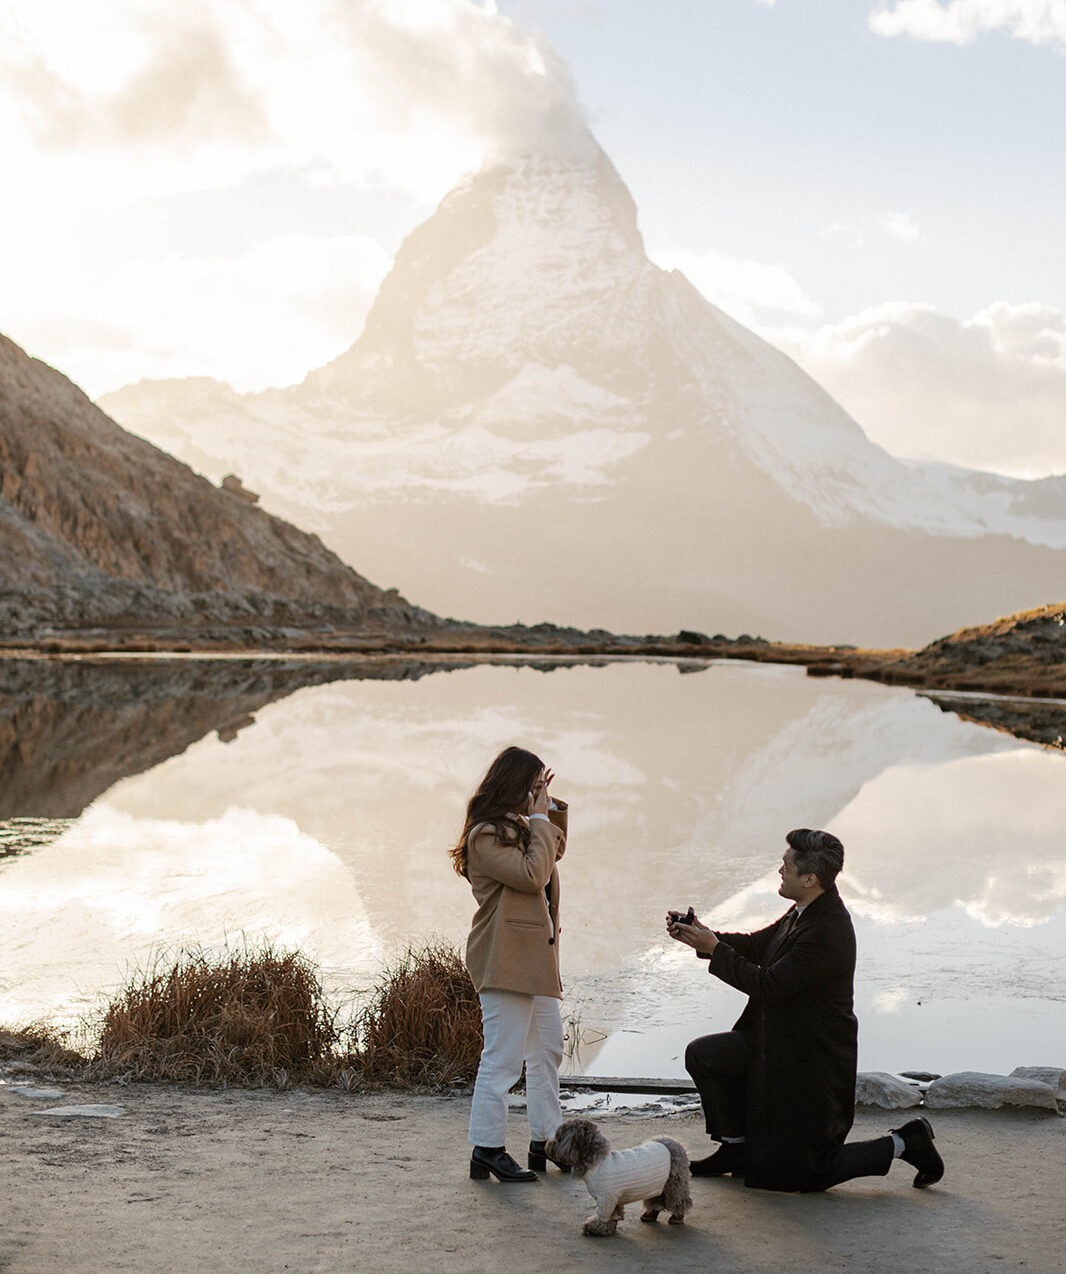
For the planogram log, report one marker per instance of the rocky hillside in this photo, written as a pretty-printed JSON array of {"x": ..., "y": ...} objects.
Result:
[
  {"x": 99, "y": 527},
  {"x": 1034, "y": 637},
  {"x": 1017, "y": 655}
]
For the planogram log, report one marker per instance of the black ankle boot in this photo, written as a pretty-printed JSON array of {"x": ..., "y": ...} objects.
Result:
[
  {"x": 495, "y": 1159},
  {"x": 728, "y": 1158},
  {"x": 538, "y": 1158}
]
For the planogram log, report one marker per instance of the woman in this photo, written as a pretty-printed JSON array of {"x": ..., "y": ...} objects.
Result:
[{"x": 512, "y": 838}]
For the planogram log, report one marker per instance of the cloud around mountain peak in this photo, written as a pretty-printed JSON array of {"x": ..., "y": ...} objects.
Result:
[{"x": 398, "y": 87}]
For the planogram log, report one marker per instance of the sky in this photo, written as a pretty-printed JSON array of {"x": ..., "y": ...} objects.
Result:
[{"x": 875, "y": 186}]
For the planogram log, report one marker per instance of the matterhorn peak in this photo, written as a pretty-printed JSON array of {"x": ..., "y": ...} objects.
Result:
[{"x": 520, "y": 263}]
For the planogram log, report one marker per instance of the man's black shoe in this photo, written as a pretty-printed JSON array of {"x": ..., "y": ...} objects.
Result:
[
  {"x": 920, "y": 1153},
  {"x": 495, "y": 1159},
  {"x": 729, "y": 1157}
]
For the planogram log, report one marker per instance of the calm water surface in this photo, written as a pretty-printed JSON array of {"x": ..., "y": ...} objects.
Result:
[{"x": 323, "y": 824}]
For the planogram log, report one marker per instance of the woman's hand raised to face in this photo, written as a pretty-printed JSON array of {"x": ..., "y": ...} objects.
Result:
[{"x": 540, "y": 791}]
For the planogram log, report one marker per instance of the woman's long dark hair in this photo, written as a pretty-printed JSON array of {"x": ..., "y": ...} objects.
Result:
[{"x": 504, "y": 788}]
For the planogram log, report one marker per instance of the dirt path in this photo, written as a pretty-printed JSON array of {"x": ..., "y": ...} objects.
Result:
[{"x": 188, "y": 1182}]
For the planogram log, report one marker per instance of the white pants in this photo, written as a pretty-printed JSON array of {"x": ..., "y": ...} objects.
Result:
[{"x": 517, "y": 1028}]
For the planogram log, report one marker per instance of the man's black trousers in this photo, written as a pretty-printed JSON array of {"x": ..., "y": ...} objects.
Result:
[{"x": 718, "y": 1065}]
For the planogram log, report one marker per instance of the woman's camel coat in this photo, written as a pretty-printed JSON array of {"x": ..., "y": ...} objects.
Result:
[{"x": 514, "y": 940}]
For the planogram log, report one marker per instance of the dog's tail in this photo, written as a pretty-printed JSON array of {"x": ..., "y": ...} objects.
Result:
[{"x": 675, "y": 1197}]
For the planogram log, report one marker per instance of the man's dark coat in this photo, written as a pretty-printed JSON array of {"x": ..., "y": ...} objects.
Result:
[{"x": 801, "y": 1082}]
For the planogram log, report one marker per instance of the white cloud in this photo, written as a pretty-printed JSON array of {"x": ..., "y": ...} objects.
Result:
[
  {"x": 901, "y": 226},
  {"x": 113, "y": 106},
  {"x": 413, "y": 92},
  {"x": 264, "y": 318},
  {"x": 987, "y": 392},
  {"x": 844, "y": 230},
  {"x": 752, "y": 292},
  {"x": 962, "y": 21}
]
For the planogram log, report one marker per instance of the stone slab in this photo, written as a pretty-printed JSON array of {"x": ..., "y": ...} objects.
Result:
[{"x": 80, "y": 1112}]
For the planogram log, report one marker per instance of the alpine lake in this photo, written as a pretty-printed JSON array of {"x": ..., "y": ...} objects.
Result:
[{"x": 150, "y": 804}]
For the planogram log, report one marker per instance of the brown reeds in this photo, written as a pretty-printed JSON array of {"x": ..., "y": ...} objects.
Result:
[
  {"x": 40, "y": 1047},
  {"x": 422, "y": 1025},
  {"x": 258, "y": 1017},
  {"x": 252, "y": 1017}
]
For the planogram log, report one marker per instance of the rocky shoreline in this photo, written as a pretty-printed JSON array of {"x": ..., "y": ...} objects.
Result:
[
  {"x": 1018, "y": 658},
  {"x": 1040, "y": 1087}
]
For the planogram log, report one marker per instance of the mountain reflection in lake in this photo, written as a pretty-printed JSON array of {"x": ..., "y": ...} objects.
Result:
[{"x": 323, "y": 823}]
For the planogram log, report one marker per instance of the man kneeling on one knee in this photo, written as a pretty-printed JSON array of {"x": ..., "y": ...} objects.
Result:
[{"x": 778, "y": 1090}]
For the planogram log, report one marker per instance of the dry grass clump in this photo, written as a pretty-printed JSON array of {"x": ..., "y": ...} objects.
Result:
[
  {"x": 252, "y": 1017},
  {"x": 40, "y": 1047},
  {"x": 258, "y": 1017},
  {"x": 422, "y": 1025}
]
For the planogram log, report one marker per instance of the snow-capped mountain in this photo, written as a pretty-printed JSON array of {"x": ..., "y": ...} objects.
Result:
[{"x": 538, "y": 423}]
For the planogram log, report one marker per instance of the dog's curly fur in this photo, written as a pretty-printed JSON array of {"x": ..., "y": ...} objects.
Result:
[{"x": 579, "y": 1143}]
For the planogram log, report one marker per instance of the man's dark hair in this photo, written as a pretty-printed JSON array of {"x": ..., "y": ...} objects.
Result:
[{"x": 816, "y": 853}]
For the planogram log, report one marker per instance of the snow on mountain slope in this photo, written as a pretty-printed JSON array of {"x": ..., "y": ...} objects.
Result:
[
  {"x": 526, "y": 370},
  {"x": 793, "y": 430}
]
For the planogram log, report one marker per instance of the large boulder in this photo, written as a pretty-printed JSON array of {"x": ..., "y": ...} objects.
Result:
[
  {"x": 1053, "y": 1076},
  {"x": 878, "y": 1088},
  {"x": 972, "y": 1088}
]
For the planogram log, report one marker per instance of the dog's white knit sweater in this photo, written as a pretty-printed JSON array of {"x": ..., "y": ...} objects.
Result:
[{"x": 627, "y": 1175}]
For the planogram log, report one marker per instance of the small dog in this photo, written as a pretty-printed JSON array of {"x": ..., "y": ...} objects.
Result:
[{"x": 655, "y": 1172}]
